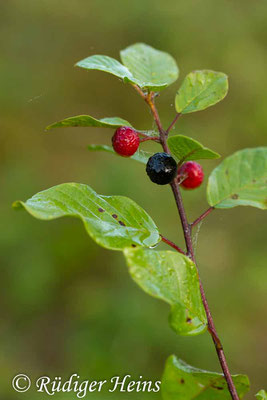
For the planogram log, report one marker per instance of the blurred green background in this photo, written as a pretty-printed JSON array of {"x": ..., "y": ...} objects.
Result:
[{"x": 68, "y": 305}]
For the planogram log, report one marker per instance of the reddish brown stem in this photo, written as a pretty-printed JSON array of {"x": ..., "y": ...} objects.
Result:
[
  {"x": 173, "y": 122},
  {"x": 173, "y": 245},
  {"x": 190, "y": 251},
  {"x": 140, "y": 91},
  {"x": 150, "y": 101},
  {"x": 145, "y": 139},
  {"x": 201, "y": 217}
]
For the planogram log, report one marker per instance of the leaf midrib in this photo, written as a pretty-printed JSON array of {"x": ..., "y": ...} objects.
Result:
[{"x": 76, "y": 213}]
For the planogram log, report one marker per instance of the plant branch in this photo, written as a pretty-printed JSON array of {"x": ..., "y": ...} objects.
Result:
[
  {"x": 201, "y": 217},
  {"x": 173, "y": 122},
  {"x": 188, "y": 240},
  {"x": 154, "y": 138},
  {"x": 171, "y": 244},
  {"x": 183, "y": 218},
  {"x": 140, "y": 91},
  {"x": 150, "y": 101}
]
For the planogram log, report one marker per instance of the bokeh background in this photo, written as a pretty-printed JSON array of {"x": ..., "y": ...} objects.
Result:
[{"x": 68, "y": 305}]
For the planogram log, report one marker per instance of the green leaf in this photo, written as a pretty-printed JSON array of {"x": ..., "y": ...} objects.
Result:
[
  {"x": 143, "y": 65},
  {"x": 107, "y": 64},
  {"x": 261, "y": 395},
  {"x": 113, "y": 222},
  {"x": 154, "y": 69},
  {"x": 87, "y": 120},
  {"x": 140, "y": 155},
  {"x": 185, "y": 148},
  {"x": 180, "y": 381},
  {"x": 171, "y": 277},
  {"x": 199, "y": 90},
  {"x": 240, "y": 180}
]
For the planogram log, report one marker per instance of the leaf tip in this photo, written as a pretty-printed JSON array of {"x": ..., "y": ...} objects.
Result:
[
  {"x": 48, "y": 128},
  {"x": 17, "y": 205}
]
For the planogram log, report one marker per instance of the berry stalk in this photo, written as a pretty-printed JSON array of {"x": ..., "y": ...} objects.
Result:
[
  {"x": 173, "y": 122},
  {"x": 201, "y": 217},
  {"x": 171, "y": 244},
  {"x": 149, "y": 98}
]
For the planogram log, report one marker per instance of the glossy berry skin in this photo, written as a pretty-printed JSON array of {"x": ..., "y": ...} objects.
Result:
[
  {"x": 193, "y": 174},
  {"x": 125, "y": 141},
  {"x": 161, "y": 168}
]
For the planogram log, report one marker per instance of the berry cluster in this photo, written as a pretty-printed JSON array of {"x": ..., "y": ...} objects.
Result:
[{"x": 161, "y": 167}]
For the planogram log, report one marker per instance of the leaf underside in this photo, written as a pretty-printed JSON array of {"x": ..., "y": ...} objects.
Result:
[
  {"x": 171, "y": 277},
  {"x": 87, "y": 121},
  {"x": 109, "y": 65},
  {"x": 241, "y": 179},
  {"x": 180, "y": 381},
  {"x": 185, "y": 148},
  {"x": 114, "y": 222},
  {"x": 140, "y": 155},
  {"x": 201, "y": 89}
]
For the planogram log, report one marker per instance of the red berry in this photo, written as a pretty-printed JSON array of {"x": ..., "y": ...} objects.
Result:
[
  {"x": 191, "y": 174},
  {"x": 125, "y": 141}
]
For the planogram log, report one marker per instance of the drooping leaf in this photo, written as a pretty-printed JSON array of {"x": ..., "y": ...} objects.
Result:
[
  {"x": 180, "y": 381},
  {"x": 185, "y": 148},
  {"x": 87, "y": 120},
  {"x": 107, "y": 64},
  {"x": 261, "y": 395},
  {"x": 140, "y": 155},
  {"x": 201, "y": 89},
  {"x": 240, "y": 180},
  {"x": 153, "y": 69},
  {"x": 114, "y": 222},
  {"x": 171, "y": 277}
]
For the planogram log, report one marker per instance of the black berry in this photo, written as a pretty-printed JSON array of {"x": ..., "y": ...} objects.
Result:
[{"x": 161, "y": 168}]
